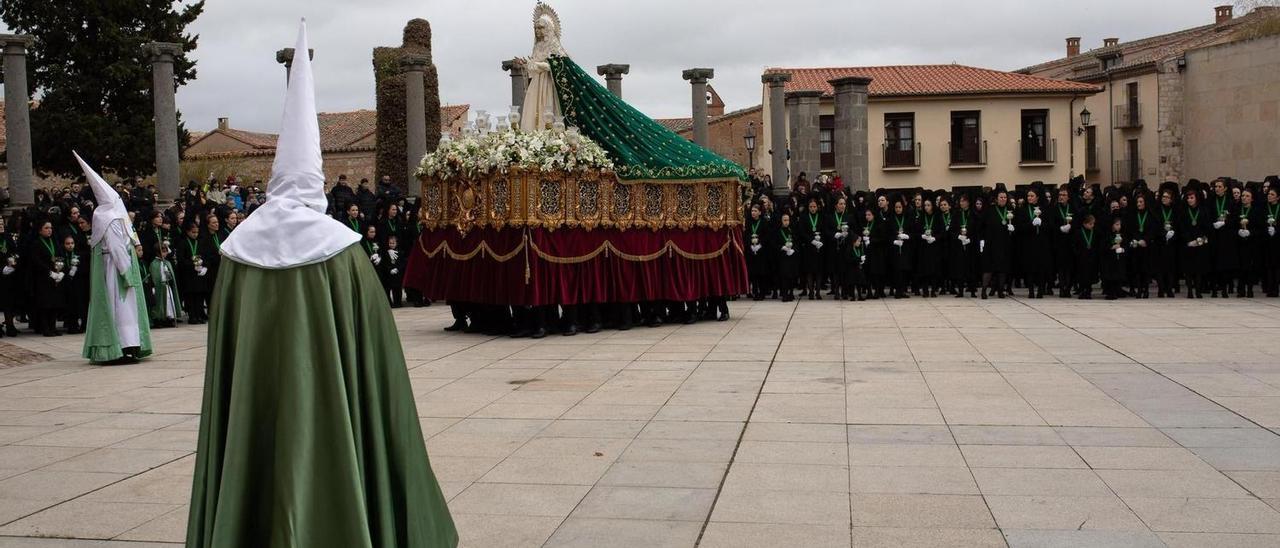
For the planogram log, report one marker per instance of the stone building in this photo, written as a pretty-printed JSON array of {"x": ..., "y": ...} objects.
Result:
[
  {"x": 932, "y": 126},
  {"x": 726, "y": 131},
  {"x": 1195, "y": 103},
  {"x": 347, "y": 143}
]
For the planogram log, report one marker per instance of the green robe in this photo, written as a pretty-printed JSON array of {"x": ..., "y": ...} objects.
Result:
[
  {"x": 101, "y": 344},
  {"x": 162, "y": 291},
  {"x": 309, "y": 435}
]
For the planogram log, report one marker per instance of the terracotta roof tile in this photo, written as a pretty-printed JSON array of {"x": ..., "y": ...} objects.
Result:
[
  {"x": 1143, "y": 51},
  {"x": 343, "y": 129},
  {"x": 930, "y": 80},
  {"x": 339, "y": 131},
  {"x": 675, "y": 124}
]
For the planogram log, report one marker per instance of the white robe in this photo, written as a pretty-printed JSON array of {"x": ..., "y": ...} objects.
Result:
[
  {"x": 124, "y": 307},
  {"x": 541, "y": 92}
]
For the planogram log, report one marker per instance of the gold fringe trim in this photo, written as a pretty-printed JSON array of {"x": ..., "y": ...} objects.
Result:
[{"x": 607, "y": 248}]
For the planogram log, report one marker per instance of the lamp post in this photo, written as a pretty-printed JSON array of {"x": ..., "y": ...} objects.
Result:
[
  {"x": 1085, "y": 118},
  {"x": 750, "y": 139}
]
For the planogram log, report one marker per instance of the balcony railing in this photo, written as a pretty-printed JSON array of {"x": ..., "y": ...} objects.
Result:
[
  {"x": 1127, "y": 171},
  {"x": 1127, "y": 116},
  {"x": 1091, "y": 160},
  {"x": 968, "y": 157},
  {"x": 893, "y": 156},
  {"x": 1038, "y": 152}
]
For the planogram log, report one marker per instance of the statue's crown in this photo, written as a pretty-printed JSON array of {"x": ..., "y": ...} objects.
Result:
[{"x": 543, "y": 9}]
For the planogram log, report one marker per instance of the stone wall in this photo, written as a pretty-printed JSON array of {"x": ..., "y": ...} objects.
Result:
[
  {"x": 726, "y": 134},
  {"x": 1232, "y": 110},
  {"x": 389, "y": 84},
  {"x": 1170, "y": 127}
]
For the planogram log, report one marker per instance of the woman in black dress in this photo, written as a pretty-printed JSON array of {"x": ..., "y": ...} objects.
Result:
[
  {"x": 904, "y": 236},
  {"x": 930, "y": 250},
  {"x": 784, "y": 245},
  {"x": 1086, "y": 250},
  {"x": 997, "y": 241},
  {"x": 759, "y": 259},
  {"x": 853, "y": 257},
  {"x": 1142, "y": 230},
  {"x": 1034, "y": 245},
  {"x": 195, "y": 281},
  {"x": 10, "y": 276},
  {"x": 1113, "y": 264},
  {"x": 1164, "y": 245},
  {"x": 1271, "y": 245},
  {"x": 1249, "y": 235},
  {"x": 1223, "y": 249},
  {"x": 962, "y": 254},
  {"x": 1193, "y": 228},
  {"x": 48, "y": 272},
  {"x": 808, "y": 237},
  {"x": 838, "y": 231},
  {"x": 875, "y": 243}
]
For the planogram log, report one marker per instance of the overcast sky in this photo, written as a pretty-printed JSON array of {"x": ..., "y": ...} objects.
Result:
[{"x": 239, "y": 77}]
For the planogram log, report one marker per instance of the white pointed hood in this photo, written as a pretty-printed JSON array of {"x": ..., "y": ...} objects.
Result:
[
  {"x": 291, "y": 229},
  {"x": 110, "y": 207}
]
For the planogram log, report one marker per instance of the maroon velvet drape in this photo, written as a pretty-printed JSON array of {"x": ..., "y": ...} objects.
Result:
[{"x": 549, "y": 269}]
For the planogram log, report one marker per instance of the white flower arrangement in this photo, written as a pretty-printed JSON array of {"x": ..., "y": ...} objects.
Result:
[{"x": 501, "y": 151}]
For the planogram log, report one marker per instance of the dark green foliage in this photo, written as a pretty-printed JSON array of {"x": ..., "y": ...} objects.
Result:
[
  {"x": 92, "y": 80},
  {"x": 389, "y": 85}
]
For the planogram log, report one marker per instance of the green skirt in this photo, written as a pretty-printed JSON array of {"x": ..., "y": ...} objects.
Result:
[{"x": 309, "y": 435}]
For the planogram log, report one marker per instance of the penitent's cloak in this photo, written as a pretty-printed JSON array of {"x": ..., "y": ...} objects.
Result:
[{"x": 309, "y": 436}]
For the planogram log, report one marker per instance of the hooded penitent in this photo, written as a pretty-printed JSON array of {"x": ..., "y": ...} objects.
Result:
[
  {"x": 309, "y": 435},
  {"x": 117, "y": 325}
]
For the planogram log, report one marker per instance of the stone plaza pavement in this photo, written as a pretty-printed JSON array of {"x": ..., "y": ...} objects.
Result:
[{"x": 939, "y": 422}]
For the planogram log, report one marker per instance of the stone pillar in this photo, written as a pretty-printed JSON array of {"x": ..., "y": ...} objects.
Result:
[
  {"x": 17, "y": 112},
  {"x": 519, "y": 79},
  {"x": 613, "y": 76},
  {"x": 698, "y": 78},
  {"x": 415, "y": 114},
  {"x": 850, "y": 135},
  {"x": 285, "y": 57},
  {"x": 166, "y": 116},
  {"x": 805, "y": 125},
  {"x": 778, "y": 130}
]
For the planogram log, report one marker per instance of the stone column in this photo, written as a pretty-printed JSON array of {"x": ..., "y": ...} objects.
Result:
[
  {"x": 804, "y": 120},
  {"x": 850, "y": 135},
  {"x": 613, "y": 76},
  {"x": 166, "y": 116},
  {"x": 778, "y": 129},
  {"x": 415, "y": 114},
  {"x": 285, "y": 57},
  {"x": 519, "y": 79},
  {"x": 698, "y": 78},
  {"x": 17, "y": 112}
]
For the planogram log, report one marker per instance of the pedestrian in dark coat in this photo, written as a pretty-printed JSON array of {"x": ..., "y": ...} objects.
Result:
[
  {"x": 996, "y": 244},
  {"x": 930, "y": 250},
  {"x": 1250, "y": 234},
  {"x": 784, "y": 246},
  {"x": 1164, "y": 246},
  {"x": 1113, "y": 263},
  {"x": 1223, "y": 241},
  {"x": 1142, "y": 231},
  {"x": 759, "y": 258},
  {"x": 1034, "y": 245},
  {"x": 1194, "y": 227}
]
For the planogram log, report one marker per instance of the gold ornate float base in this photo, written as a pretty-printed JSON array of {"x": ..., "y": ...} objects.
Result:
[{"x": 520, "y": 199}]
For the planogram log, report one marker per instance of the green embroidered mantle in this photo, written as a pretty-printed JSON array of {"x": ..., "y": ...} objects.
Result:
[{"x": 640, "y": 148}]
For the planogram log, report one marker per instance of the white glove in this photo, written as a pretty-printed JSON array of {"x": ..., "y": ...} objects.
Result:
[
  {"x": 1010, "y": 225},
  {"x": 755, "y": 248},
  {"x": 1219, "y": 224},
  {"x": 862, "y": 260},
  {"x": 897, "y": 243},
  {"x": 9, "y": 269},
  {"x": 866, "y": 240},
  {"x": 1036, "y": 221},
  {"x": 1244, "y": 232},
  {"x": 1119, "y": 250},
  {"x": 203, "y": 270},
  {"x": 964, "y": 240},
  {"x": 395, "y": 271},
  {"x": 53, "y": 276},
  {"x": 904, "y": 236},
  {"x": 1168, "y": 235},
  {"x": 817, "y": 244},
  {"x": 930, "y": 239},
  {"x": 982, "y": 246},
  {"x": 1065, "y": 228},
  {"x": 840, "y": 235},
  {"x": 73, "y": 271},
  {"x": 395, "y": 255},
  {"x": 1271, "y": 231},
  {"x": 790, "y": 251},
  {"x": 1142, "y": 243},
  {"x": 377, "y": 259}
]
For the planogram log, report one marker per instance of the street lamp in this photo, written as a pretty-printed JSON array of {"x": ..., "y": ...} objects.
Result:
[
  {"x": 1085, "y": 118},
  {"x": 750, "y": 139}
]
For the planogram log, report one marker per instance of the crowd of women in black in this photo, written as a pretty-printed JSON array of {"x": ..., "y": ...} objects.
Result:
[
  {"x": 1217, "y": 239},
  {"x": 44, "y": 249}
]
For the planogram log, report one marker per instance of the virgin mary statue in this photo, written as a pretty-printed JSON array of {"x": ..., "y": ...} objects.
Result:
[
  {"x": 540, "y": 95},
  {"x": 641, "y": 149}
]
